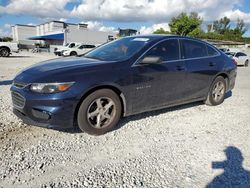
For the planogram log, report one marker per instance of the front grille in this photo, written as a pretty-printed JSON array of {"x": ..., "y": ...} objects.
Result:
[
  {"x": 19, "y": 84},
  {"x": 18, "y": 100}
]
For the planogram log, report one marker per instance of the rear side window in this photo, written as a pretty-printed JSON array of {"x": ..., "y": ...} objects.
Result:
[
  {"x": 193, "y": 49},
  {"x": 211, "y": 51},
  {"x": 90, "y": 46},
  {"x": 240, "y": 54},
  {"x": 168, "y": 50}
]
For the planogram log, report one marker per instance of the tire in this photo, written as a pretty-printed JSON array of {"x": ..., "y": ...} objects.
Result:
[
  {"x": 216, "y": 96},
  {"x": 73, "y": 53},
  {"x": 97, "y": 106},
  {"x": 4, "y": 52},
  {"x": 246, "y": 63}
]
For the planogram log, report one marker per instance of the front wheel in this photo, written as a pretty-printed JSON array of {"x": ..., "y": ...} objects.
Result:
[
  {"x": 73, "y": 53},
  {"x": 99, "y": 112},
  {"x": 217, "y": 92},
  {"x": 4, "y": 52}
]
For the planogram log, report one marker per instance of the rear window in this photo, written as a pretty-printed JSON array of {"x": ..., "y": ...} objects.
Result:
[
  {"x": 211, "y": 51},
  {"x": 193, "y": 49},
  {"x": 240, "y": 54}
]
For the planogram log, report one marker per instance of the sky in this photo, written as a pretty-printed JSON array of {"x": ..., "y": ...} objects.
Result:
[{"x": 109, "y": 15}]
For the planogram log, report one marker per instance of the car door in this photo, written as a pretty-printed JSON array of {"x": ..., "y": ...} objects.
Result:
[
  {"x": 201, "y": 66},
  {"x": 157, "y": 85}
]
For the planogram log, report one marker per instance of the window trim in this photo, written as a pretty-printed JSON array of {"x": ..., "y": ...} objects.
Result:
[
  {"x": 136, "y": 63},
  {"x": 206, "y": 44},
  {"x": 181, "y": 57}
]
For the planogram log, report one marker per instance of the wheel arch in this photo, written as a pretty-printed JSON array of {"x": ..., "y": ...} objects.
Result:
[
  {"x": 8, "y": 48},
  {"x": 73, "y": 52},
  {"x": 93, "y": 89},
  {"x": 225, "y": 76}
]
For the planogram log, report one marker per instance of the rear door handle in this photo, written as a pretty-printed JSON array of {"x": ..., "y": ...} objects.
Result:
[
  {"x": 212, "y": 64},
  {"x": 180, "y": 68}
]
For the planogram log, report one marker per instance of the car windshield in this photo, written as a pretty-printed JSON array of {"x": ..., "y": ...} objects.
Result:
[
  {"x": 118, "y": 50},
  {"x": 77, "y": 46}
]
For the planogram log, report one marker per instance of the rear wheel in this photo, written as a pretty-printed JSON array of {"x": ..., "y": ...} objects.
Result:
[
  {"x": 73, "y": 53},
  {"x": 4, "y": 52},
  {"x": 246, "y": 63},
  {"x": 217, "y": 92},
  {"x": 99, "y": 112}
]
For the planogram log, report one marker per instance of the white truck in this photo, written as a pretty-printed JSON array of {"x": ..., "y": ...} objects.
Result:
[{"x": 6, "y": 48}]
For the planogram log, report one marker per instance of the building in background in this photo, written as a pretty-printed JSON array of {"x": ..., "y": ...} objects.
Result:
[
  {"x": 126, "y": 32},
  {"x": 21, "y": 33},
  {"x": 57, "y": 33}
]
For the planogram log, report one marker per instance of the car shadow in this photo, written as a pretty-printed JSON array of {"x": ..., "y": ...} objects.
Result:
[
  {"x": 143, "y": 115},
  {"x": 123, "y": 121},
  {"x": 5, "y": 82},
  {"x": 234, "y": 174}
]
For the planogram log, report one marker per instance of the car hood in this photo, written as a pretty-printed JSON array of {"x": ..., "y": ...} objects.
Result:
[
  {"x": 58, "y": 66},
  {"x": 61, "y": 63}
]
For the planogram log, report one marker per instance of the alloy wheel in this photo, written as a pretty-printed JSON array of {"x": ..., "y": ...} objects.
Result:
[
  {"x": 101, "y": 112},
  {"x": 218, "y": 91}
]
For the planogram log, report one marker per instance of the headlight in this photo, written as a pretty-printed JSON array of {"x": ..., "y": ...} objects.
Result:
[{"x": 50, "y": 87}]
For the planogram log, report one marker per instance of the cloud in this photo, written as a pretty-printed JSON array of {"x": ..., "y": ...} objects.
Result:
[
  {"x": 7, "y": 26},
  {"x": 154, "y": 27},
  {"x": 235, "y": 14},
  {"x": 95, "y": 25},
  {"x": 157, "y": 11},
  {"x": 150, "y": 10},
  {"x": 4, "y": 32},
  {"x": 63, "y": 19},
  {"x": 39, "y": 8}
]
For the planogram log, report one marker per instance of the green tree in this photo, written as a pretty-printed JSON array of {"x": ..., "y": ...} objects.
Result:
[
  {"x": 222, "y": 26},
  {"x": 161, "y": 31},
  {"x": 185, "y": 24},
  {"x": 240, "y": 27},
  {"x": 6, "y": 39}
]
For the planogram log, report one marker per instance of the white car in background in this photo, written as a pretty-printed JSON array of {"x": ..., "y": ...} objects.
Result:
[
  {"x": 78, "y": 50},
  {"x": 59, "y": 51},
  {"x": 240, "y": 57}
]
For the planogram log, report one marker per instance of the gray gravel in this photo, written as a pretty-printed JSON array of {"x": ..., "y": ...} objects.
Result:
[{"x": 168, "y": 148}]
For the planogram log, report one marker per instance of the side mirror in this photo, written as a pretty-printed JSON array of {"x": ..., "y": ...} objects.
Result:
[{"x": 151, "y": 60}]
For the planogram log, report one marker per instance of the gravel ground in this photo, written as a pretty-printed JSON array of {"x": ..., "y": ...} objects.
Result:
[{"x": 168, "y": 148}]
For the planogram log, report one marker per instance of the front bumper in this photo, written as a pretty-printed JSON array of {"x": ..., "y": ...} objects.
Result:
[
  {"x": 54, "y": 111},
  {"x": 58, "y": 53}
]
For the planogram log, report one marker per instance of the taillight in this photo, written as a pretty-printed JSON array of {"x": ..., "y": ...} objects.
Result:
[{"x": 235, "y": 62}]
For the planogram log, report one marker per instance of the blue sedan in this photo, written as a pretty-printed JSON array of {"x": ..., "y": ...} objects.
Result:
[{"x": 121, "y": 78}]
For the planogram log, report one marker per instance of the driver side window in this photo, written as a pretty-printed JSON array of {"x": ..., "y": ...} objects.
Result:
[{"x": 167, "y": 50}]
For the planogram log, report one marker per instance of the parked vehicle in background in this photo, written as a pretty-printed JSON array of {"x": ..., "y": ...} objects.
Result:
[
  {"x": 59, "y": 51},
  {"x": 6, "y": 48},
  {"x": 78, "y": 50},
  {"x": 240, "y": 58},
  {"x": 224, "y": 49},
  {"x": 124, "y": 77}
]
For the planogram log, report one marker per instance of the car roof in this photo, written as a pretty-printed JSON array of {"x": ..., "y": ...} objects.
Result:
[{"x": 163, "y": 36}]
